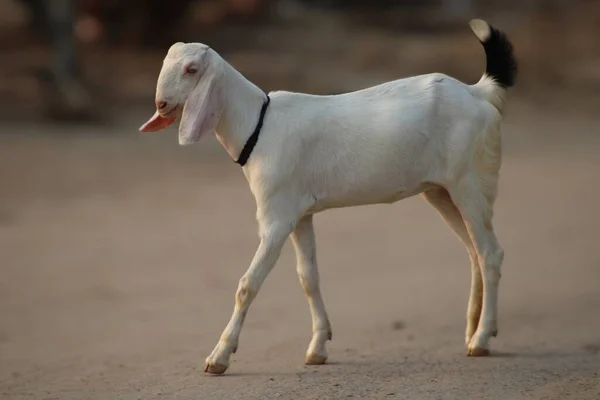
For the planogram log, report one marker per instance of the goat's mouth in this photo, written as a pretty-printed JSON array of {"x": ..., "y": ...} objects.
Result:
[
  {"x": 172, "y": 113},
  {"x": 160, "y": 120}
]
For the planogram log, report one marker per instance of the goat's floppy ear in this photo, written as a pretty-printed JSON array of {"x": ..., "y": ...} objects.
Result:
[
  {"x": 204, "y": 105},
  {"x": 156, "y": 123}
]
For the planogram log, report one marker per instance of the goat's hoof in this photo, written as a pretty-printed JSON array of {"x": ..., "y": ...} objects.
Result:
[
  {"x": 315, "y": 359},
  {"x": 478, "y": 352},
  {"x": 215, "y": 369}
]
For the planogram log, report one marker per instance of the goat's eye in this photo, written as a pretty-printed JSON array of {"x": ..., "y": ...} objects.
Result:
[{"x": 191, "y": 70}]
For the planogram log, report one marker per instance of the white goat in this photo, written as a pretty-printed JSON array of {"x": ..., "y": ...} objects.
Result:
[{"x": 430, "y": 134}]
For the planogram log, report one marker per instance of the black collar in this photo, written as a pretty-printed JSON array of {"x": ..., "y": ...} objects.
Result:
[{"x": 251, "y": 142}]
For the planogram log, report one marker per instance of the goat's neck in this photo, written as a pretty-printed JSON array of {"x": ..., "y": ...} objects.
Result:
[{"x": 241, "y": 111}]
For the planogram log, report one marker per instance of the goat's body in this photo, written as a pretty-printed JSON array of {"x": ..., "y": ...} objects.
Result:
[
  {"x": 428, "y": 134},
  {"x": 376, "y": 145}
]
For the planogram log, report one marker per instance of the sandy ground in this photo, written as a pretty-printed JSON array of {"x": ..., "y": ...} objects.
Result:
[{"x": 120, "y": 254}]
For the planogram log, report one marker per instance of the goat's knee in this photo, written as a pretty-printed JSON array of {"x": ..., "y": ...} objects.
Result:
[
  {"x": 309, "y": 282},
  {"x": 492, "y": 263},
  {"x": 245, "y": 293}
]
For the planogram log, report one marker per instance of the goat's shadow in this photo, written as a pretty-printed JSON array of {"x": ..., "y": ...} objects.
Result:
[
  {"x": 593, "y": 350},
  {"x": 309, "y": 369},
  {"x": 586, "y": 349}
]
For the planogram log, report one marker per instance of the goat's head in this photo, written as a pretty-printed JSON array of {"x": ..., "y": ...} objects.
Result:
[{"x": 190, "y": 85}]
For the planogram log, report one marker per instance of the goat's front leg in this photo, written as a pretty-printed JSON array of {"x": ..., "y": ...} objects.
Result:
[
  {"x": 273, "y": 236},
  {"x": 303, "y": 238}
]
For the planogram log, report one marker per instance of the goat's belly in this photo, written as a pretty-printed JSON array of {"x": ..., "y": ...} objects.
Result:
[{"x": 366, "y": 198}]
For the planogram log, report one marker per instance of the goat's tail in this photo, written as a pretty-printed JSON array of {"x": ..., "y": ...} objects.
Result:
[{"x": 501, "y": 65}]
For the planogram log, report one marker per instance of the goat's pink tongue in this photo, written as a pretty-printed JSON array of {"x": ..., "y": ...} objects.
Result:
[{"x": 156, "y": 123}]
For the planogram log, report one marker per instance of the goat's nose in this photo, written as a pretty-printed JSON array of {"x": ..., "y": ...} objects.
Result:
[{"x": 161, "y": 104}]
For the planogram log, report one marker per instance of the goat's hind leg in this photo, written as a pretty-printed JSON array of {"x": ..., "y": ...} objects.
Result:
[
  {"x": 440, "y": 199},
  {"x": 474, "y": 198},
  {"x": 303, "y": 238}
]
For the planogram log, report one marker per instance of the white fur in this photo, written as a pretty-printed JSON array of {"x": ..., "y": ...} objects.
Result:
[{"x": 430, "y": 134}]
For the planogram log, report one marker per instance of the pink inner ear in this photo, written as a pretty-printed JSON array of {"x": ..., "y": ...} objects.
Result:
[{"x": 156, "y": 123}]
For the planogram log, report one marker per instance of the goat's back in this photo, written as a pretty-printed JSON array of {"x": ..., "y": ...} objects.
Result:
[{"x": 375, "y": 145}]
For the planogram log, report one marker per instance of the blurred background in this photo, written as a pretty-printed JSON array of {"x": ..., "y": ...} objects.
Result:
[
  {"x": 64, "y": 58},
  {"x": 120, "y": 252}
]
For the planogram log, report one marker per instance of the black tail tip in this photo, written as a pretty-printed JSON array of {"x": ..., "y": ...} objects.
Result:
[{"x": 500, "y": 59}]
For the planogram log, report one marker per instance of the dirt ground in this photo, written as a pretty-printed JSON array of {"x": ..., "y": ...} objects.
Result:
[{"x": 121, "y": 252}]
